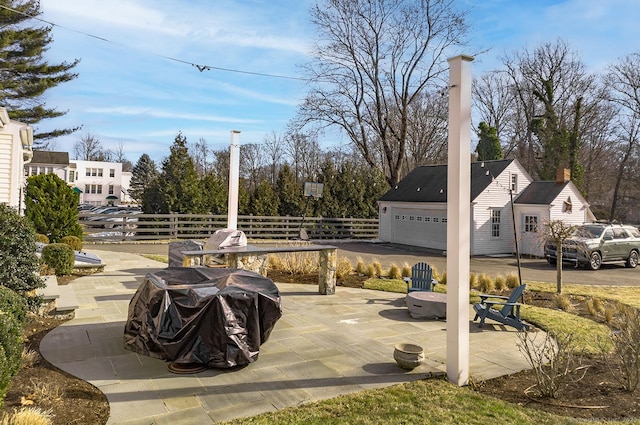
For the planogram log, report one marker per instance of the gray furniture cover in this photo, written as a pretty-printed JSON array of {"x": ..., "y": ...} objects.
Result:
[{"x": 214, "y": 317}]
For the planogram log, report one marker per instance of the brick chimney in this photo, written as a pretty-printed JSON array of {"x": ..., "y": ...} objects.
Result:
[{"x": 563, "y": 175}]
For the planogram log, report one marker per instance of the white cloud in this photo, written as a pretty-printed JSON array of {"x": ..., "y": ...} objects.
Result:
[{"x": 174, "y": 115}]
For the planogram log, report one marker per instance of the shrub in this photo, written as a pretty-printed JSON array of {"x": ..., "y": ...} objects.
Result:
[
  {"x": 52, "y": 207},
  {"x": 562, "y": 302},
  {"x": 552, "y": 360},
  {"x": 19, "y": 264},
  {"x": 626, "y": 347},
  {"x": 513, "y": 281},
  {"x": 13, "y": 304},
  {"x": 443, "y": 279},
  {"x": 376, "y": 264},
  {"x": 42, "y": 238},
  {"x": 274, "y": 262},
  {"x": 473, "y": 280},
  {"x": 361, "y": 268},
  {"x": 299, "y": 263},
  {"x": 343, "y": 268},
  {"x": 28, "y": 416},
  {"x": 485, "y": 283},
  {"x": 434, "y": 273},
  {"x": 394, "y": 272},
  {"x": 10, "y": 351},
  {"x": 406, "y": 270},
  {"x": 59, "y": 257},
  {"x": 500, "y": 283},
  {"x": 371, "y": 271},
  {"x": 73, "y": 241}
]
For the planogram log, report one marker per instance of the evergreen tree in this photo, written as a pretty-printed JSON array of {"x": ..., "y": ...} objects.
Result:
[
  {"x": 489, "y": 147},
  {"x": 25, "y": 74},
  {"x": 289, "y": 192},
  {"x": 52, "y": 207},
  {"x": 19, "y": 264},
  {"x": 142, "y": 175},
  {"x": 180, "y": 185},
  {"x": 264, "y": 200},
  {"x": 215, "y": 193}
]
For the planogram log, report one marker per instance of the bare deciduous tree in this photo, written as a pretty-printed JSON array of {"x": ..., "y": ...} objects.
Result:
[
  {"x": 89, "y": 148},
  {"x": 374, "y": 59},
  {"x": 557, "y": 232}
]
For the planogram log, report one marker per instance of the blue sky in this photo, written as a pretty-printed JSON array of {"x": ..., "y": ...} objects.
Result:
[{"x": 128, "y": 92}]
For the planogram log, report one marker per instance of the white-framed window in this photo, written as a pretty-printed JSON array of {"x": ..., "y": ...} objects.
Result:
[
  {"x": 514, "y": 183},
  {"x": 94, "y": 172},
  {"x": 530, "y": 224},
  {"x": 72, "y": 176},
  {"x": 495, "y": 223},
  {"x": 112, "y": 172},
  {"x": 93, "y": 188},
  {"x": 412, "y": 218},
  {"x": 110, "y": 189},
  {"x": 419, "y": 218},
  {"x": 436, "y": 219},
  {"x": 427, "y": 219},
  {"x": 444, "y": 220},
  {"x": 397, "y": 217}
]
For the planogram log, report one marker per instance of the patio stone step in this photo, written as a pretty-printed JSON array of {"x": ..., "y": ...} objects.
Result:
[{"x": 63, "y": 295}]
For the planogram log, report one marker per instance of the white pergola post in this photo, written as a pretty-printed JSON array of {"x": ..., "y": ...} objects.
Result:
[
  {"x": 458, "y": 219},
  {"x": 234, "y": 178}
]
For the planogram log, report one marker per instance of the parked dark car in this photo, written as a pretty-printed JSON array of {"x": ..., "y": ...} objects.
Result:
[{"x": 595, "y": 244}]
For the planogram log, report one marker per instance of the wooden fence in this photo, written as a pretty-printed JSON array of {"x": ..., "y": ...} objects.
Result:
[{"x": 131, "y": 227}]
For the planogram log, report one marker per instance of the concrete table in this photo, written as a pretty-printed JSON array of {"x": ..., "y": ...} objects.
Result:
[{"x": 427, "y": 305}]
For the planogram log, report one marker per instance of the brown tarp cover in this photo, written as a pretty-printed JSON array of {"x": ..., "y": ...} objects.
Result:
[{"x": 215, "y": 317}]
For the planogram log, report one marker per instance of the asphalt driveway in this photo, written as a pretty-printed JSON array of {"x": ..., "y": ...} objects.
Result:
[{"x": 532, "y": 269}]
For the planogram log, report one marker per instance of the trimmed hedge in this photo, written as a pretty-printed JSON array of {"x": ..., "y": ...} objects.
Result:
[
  {"x": 12, "y": 303},
  {"x": 10, "y": 351},
  {"x": 73, "y": 241},
  {"x": 42, "y": 238},
  {"x": 19, "y": 264},
  {"x": 60, "y": 257}
]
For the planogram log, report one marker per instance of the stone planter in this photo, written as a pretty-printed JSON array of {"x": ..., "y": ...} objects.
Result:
[{"x": 408, "y": 356}]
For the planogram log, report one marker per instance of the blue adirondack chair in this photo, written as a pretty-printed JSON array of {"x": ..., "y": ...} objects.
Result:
[
  {"x": 421, "y": 278},
  {"x": 508, "y": 314}
]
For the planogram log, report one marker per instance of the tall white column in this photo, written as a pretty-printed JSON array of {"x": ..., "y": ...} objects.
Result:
[
  {"x": 458, "y": 219},
  {"x": 234, "y": 178}
]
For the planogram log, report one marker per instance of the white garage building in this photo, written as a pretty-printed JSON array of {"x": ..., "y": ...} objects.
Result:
[{"x": 414, "y": 212}]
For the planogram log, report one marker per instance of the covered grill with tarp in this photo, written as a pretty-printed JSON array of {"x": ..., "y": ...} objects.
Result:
[{"x": 201, "y": 316}]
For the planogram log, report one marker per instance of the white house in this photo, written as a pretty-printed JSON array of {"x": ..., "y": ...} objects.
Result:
[
  {"x": 414, "y": 212},
  {"x": 98, "y": 182},
  {"x": 16, "y": 141}
]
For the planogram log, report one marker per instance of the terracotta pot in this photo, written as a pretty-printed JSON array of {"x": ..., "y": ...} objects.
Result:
[{"x": 408, "y": 356}]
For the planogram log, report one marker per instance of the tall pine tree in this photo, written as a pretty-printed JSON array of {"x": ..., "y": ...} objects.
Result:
[
  {"x": 25, "y": 75},
  {"x": 180, "y": 185},
  {"x": 143, "y": 173}
]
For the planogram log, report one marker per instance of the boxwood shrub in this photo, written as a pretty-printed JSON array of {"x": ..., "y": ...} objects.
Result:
[
  {"x": 73, "y": 241},
  {"x": 10, "y": 351},
  {"x": 12, "y": 303},
  {"x": 60, "y": 257}
]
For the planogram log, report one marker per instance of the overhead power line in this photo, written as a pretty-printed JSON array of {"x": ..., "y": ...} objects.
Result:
[{"x": 199, "y": 67}]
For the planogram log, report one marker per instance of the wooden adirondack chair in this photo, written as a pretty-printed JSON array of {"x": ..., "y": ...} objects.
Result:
[
  {"x": 509, "y": 314},
  {"x": 421, "y": 278}
]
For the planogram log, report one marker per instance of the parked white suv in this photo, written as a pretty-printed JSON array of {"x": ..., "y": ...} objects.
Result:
[{"x": 595, "y": 244}]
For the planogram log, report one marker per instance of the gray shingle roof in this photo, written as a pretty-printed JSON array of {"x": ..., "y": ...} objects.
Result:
[
  {"x": 428, "y": 183},
  {"x": 540, "y": 193},
  {"x": 48, "y": 157}
]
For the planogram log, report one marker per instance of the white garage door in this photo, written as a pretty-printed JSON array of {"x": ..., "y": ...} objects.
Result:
[{"x": 427, "y": 228}]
